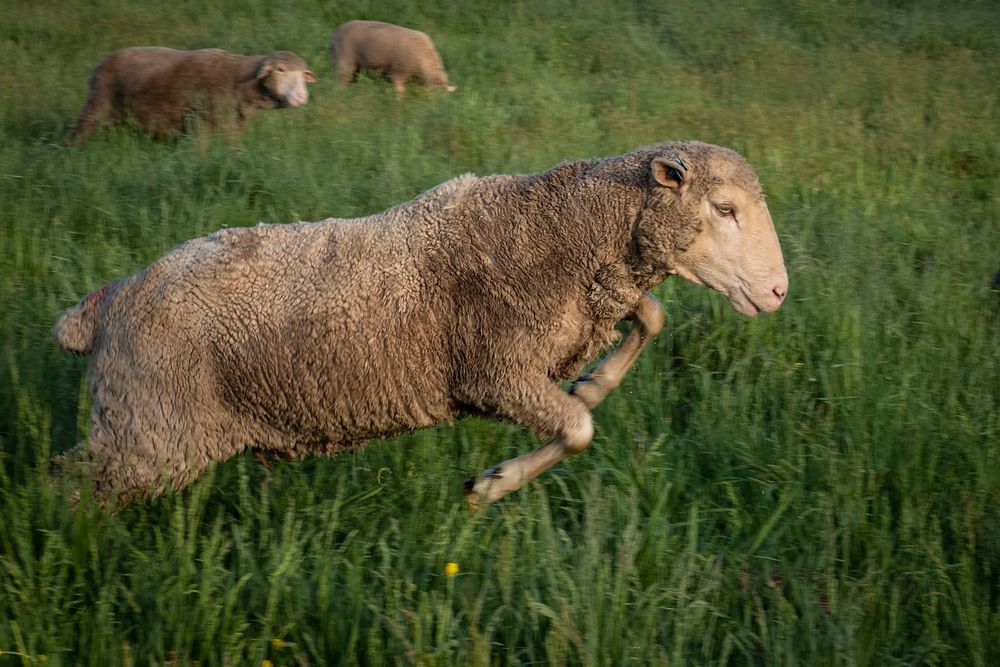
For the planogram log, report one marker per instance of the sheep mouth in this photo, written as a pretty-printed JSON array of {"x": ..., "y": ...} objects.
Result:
[{"x": 744, "y": 304}]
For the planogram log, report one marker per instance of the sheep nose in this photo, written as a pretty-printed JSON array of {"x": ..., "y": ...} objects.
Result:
[{"x": 779, "y": 287}]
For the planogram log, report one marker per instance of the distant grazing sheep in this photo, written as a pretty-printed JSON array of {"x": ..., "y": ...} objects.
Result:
[
  {"x": 477, "y": 297},
  {"x": 387, "y": 50},
  {"x": 166, "y": 89}
]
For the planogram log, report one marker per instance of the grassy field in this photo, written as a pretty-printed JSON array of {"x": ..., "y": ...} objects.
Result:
[{"x": 820, "y": 486}]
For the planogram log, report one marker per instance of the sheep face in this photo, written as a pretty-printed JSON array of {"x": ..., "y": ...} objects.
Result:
[
  {"x": 285, "y": 75},
  {"x": 737, "y": 251}
]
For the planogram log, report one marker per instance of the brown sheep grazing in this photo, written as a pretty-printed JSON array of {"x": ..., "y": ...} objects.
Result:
[
  {"x": 478, "y": 297},
  {"x": 388, "y": 50},
  {"x": 166, "y": 89}
]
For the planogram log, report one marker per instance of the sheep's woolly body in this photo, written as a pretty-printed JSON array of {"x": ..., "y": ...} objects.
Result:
[
  {"x": 315, "y": 337},
  {"x": 165, "y": 89},
  {"x": 389, "y": 50}
]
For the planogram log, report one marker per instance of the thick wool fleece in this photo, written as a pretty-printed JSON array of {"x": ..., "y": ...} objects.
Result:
[
  {"x": 476, "y": 297},
  {"x": 163, "y": 89},
  {"x": 384, "y": 49}
]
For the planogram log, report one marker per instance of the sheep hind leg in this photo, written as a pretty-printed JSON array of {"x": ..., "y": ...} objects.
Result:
[
  {"x": 544, "y": 407},
  {"x": 647, "y": 321}
]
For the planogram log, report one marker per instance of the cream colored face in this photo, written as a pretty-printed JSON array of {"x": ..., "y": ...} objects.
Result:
[
  {"x": 737, "y": 252},
  {"x": 288, "y": 83}
]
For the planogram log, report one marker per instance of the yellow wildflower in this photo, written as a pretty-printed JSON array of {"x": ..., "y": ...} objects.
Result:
[{"x": 451, "y": 569}]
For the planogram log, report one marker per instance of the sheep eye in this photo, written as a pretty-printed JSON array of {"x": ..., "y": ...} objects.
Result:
[{"x": 724, "y": 209}]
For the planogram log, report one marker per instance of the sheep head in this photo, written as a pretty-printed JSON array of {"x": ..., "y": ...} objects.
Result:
[
  {"x": 730, "y": 245},
  {"x": 285, "y": 75}
]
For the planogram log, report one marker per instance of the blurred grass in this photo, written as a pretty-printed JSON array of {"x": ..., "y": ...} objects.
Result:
[{"x": 819, "y": 486}]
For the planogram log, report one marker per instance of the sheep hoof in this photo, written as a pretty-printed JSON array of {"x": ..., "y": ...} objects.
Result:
[
  {"x": 580, "y": 384},
  {"x": 471, "y": 497},
  {"x": 472, "y": 500},
  {"x": 474, "y": 497},
  {"x": 585, "y": 388}
]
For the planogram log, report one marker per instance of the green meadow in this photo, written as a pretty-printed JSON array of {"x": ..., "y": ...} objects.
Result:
[{"x": 817, "y": 486}]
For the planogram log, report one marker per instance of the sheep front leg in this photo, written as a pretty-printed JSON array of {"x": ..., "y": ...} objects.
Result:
[
  {"x": 97, "y": 112},
  {"x": 347, "y": 70},
  {"x": 647, "y": 321},
  {"x": 566, "y": 415},
  {"x": 545, "y": 408}
]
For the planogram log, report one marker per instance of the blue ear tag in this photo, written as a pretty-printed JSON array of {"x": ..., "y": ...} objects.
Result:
[{"x": 681, "y": 162}]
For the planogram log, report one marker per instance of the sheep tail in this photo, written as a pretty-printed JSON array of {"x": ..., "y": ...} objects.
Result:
[{"x": 77, "y": 329}]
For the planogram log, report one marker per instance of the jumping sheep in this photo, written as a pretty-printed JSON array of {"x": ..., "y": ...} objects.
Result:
[
  {"x": 166, "y": 89},
  {"x": 387, "y": 50},
  {"x": 477, "y": 297}
]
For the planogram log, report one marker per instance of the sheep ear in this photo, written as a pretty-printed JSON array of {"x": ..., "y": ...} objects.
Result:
[
  {"x": 266, "y": 67},
  {"x": 669, "y": 172},
  {"x": 310, "y": 77}
]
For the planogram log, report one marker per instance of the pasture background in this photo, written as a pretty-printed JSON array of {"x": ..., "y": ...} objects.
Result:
[{"x": 820, "y": 486}]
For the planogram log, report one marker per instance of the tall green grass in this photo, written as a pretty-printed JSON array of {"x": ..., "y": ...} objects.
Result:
[{"x": 817, "y": 486}]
